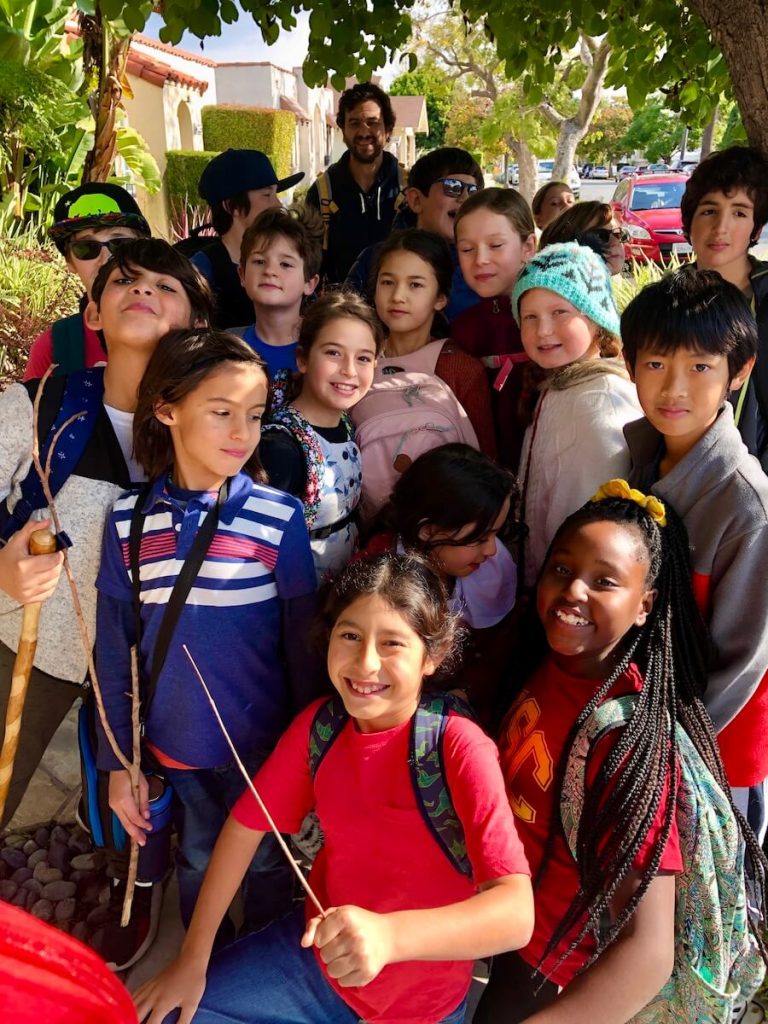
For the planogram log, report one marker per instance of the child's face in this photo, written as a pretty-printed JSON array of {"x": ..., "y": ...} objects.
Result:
[
  {"x": 721, "y": 230},
  {"x": 553, "y": 331},
  {"x": 260, "y": 199},
  {"x": 592, "y": 591},
  {"x": 436, "y": 211},
  {"x": 407, "y": 294},
  {"x": 273, "y": 275},
  {"x": 87, "y": 269},
  {"x": 216, "y": 427},
  {"x": 377, "y": 662},
  {"x": 491, "y": 252},
  {"x": 138, "y": 307},
  {"x": 555, "y": 201},
  {"x": 458, "y": 559},
  {"x": 682, "y": 391},
  {"x": 337, "y": 372}
]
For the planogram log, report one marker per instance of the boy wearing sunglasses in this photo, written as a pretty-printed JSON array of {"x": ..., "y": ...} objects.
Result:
[
  {"x": 438, "y": 184},
  {"x": 90, "y": 222}
]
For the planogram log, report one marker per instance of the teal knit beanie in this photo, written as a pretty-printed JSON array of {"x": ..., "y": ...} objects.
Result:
[{"x": 578, "y": 274}]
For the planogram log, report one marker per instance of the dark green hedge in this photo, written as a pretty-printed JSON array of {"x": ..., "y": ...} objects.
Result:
[
  {"x": 182, "y": 173},
  {"x": 232, "y": 127}
]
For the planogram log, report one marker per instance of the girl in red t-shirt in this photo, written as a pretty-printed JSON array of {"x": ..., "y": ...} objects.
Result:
[
  {"x": 403, "y": 923},
  {"x": 619, "y": 617}
]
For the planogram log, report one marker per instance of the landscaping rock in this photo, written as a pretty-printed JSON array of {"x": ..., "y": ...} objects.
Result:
[
  {"x": 38, "y": 857},
  {"x": 29, "y": 847},
  {"x": 42, "y": 836},
  {"x": 42, "y": 909},
  {"x": 46, "y": 874},
  {"x": 59, "y": 890},
  {"x": 85, "y": 862},
  {"x": 13, "y": 858},
  {"x": 59, "y": 855},
  {"x": 21, "y": 875},
  {"x": 65, "y": 910},
  {"x": 8, "y": 890}
]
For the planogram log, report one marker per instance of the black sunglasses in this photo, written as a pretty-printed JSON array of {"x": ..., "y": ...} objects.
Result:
[
  {"x": 90, "y": 248},
  {"x": 455, "y": 188},
  {"x": 606, "y": 234}
]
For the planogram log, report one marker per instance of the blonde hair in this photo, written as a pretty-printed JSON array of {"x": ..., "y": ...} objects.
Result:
[{"x": 505, "y": 201}]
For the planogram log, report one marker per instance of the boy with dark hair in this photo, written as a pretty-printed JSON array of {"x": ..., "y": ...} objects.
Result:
[
  {"x": 145, "y": 290},
  {"x": 690, "y": 341},
  {"x": 438, "y": 184},
  {"x": 238, "y": 185},
  {"x": 89, "y": 223},
  {"x": 357, "y": 195},
  {"x": 724, "y": 210},
  {"x": 279, "y": 266}
]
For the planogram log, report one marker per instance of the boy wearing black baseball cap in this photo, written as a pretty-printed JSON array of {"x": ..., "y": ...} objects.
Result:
[
  {"x": 237, "y": 185},
  {"x": 89, "y": 222}
]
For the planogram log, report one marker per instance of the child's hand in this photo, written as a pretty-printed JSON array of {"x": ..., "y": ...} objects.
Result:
[
  {"x": 135, "y": 820},
  {"x": 181, "y": 984},
  {"x": 28, "y": 578},
  {"x": 355, "y": 944}
]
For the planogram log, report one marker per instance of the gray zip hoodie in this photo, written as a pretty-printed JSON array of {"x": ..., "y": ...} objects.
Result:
[{"x": 721, "y": 493}]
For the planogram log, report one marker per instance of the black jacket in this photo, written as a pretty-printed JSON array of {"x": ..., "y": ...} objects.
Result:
[{"x": 362, "y": 218}]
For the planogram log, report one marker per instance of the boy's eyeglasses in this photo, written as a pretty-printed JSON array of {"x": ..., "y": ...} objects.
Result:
[
  {"x": 90, "y": 248},
  {"x": 606, "y": 234},
  {"x": 455, "y": 188}
]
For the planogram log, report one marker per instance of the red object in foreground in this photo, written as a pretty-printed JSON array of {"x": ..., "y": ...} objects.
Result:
[{"x": 47, "y": 977}]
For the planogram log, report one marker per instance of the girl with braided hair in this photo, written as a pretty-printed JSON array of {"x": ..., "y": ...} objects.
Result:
[{"x": 619, "y": 617}]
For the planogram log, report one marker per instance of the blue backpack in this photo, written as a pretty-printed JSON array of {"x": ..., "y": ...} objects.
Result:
[
  {"x": 83, "y": 392},
  {"x": 425, "y": 761},
  {"x": 717, "y": 962}
]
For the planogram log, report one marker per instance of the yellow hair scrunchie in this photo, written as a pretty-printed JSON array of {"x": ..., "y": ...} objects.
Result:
[{"x": 621, "y": 489}]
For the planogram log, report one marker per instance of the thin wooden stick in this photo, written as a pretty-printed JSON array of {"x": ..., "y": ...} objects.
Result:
[
  {"x": 283, "y": 845},
  {"x": 133, "y": 865}
]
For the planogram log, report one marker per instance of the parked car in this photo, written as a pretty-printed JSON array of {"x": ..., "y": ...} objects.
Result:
[
  {"x": 545, "y": 174},
  {"x": 601, "y": 172},
  {"x": 659, "y": 168},
  {"x": 647, "y": 207},
  {"x": 513, "y": 175},
  {"x": 627, "y": 171}
]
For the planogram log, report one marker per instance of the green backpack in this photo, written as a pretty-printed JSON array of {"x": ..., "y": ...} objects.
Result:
[
  {"x": 717, "y": 962},
  {"x": 425, "y": 761}
]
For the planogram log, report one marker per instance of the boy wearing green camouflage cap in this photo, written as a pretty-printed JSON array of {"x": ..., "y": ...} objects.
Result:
[{"x": 89, "y": 222}]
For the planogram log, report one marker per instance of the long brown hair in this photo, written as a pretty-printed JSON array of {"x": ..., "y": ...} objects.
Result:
[{"x": 179, "y": 364}]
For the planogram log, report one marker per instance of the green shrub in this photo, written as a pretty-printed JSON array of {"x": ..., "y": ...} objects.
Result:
[
  {"x": 272, "y": 131},
  {"x": 637, "y": 275},
  {"x": 35, "y": 289},
  {"x": 182, "y": 174}
]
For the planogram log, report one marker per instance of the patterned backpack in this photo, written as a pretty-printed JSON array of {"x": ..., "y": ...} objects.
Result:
[
  {"x": 408, "y": 411},
  {"x": 717, "y": 962},
  {"x": 425, "y": 761},
  {"x": 283, "y": 416}
]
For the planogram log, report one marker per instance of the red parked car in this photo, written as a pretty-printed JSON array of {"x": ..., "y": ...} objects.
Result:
[{"x": 647, "y": 207}]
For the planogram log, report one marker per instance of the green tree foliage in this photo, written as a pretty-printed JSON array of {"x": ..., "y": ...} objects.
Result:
[
  {"x": 656, "y": 133},
  {"x": 604, "y": 143},
  {"x": 432, "y": 82}
]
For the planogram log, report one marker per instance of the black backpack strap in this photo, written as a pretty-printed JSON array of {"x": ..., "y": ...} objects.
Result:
[
  {"x": 181, "y": 587},
  {"x": 68, "y": 344}
]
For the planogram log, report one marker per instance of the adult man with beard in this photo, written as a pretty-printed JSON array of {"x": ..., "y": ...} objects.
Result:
[{"x": 356, "y": 196}]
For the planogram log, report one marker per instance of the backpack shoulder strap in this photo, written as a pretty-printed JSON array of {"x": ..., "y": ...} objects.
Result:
[
  {"x": 285, "y": 417},
  {"x": 402, "y": 183},
  {"x": 327, "y": 205},
  {"x": 330, "y": 718},
  {"x": 83, "y": 393},
  {"x": 68, "y": 344},
  {"x": 612, "y": 714},
  {"x": 428, "y": 776},
  {"x": 759, "y": 373}
]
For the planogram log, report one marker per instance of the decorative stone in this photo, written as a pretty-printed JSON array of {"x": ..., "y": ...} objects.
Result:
[
  {"x": 29, "y": 847},
  {"x": 59, "y": 890},
  {"x": 20, "y": 899},
  {"x": 85, "y": 862},
  {"x": 8, "y": 890},
  {"x": 79, "y": 876},
  {"x": 99, "y": 915},
  {"x": 80, "y": 931},
  {"x": 45, "y": 874},
  {"x": 13, "y": 858},
  {"x": 42, "y": 836},
  {"x": 65, "y": 910},
  {"x": 32, "y": 885},
  {"x": 42, "y": 909},
  {"x": 59, "y": 835},
  {"x": 15, "y": 842},
  {"x": 80, "y": 842},
  {"x": 59, "y": 855},
  {"x": 104, "y": 894},
  {"x": 38, "y": 857},
  {"x": 21, "y": 875}
]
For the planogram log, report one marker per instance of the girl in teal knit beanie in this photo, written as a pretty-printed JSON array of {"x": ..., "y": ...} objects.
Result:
[{"x": 569, "y": 326}]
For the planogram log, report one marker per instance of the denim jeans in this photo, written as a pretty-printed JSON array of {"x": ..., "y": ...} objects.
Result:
[
  {"x": 267, "y": 978},
  {"x": 202, "y": 800}
]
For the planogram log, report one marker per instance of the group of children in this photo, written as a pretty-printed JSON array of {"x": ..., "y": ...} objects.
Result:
[{"x": 359, "y": 447}]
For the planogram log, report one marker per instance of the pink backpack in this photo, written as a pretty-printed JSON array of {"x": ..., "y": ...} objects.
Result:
[{"x": 407, "y": 411}]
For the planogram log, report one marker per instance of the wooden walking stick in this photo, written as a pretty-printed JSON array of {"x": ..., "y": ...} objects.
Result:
[{"x": 41, "y": 542}]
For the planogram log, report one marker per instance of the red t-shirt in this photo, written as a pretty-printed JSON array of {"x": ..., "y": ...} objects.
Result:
[
  {"x": 41, "y": 352},
  {"x": 380, "y": 854},
  {"x": 533, "y": 737}
]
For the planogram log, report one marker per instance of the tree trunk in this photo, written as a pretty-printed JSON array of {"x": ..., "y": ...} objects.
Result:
[
  {"x": 573, "y": 129},
  {"x": 109, "y": 54},
  {"x": 740, "y": 29},
  {"x": 708, "y": 136},
  {"x": 528, "y": 169}
]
